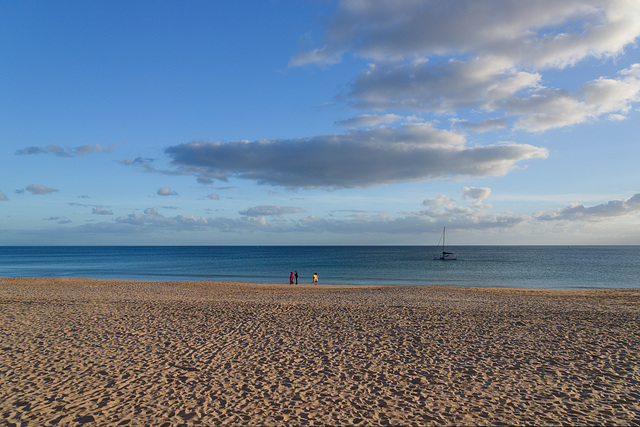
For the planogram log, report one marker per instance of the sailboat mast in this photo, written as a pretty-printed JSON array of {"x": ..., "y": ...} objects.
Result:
[{"x": 444, "y": 232}]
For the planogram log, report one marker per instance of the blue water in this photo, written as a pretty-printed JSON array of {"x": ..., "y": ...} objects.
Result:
[{"x": 483, "y": 266}]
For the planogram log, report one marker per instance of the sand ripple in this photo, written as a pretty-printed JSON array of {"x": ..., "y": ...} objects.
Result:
[{"x": 132, "y": 353}]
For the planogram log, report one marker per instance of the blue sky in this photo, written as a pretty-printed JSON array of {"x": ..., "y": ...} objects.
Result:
[{"x": 280, "y": 122}]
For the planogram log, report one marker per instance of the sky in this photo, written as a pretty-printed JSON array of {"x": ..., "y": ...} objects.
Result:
[{"x": 300, "y": 122}]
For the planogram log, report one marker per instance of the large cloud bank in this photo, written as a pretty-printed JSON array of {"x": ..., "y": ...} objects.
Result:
[
  {"x": 413, "y": 152},
  {"x": 491, "y": 55}
]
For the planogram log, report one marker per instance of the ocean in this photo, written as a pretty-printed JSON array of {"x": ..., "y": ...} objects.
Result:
[{"x": 560, "y": 267}]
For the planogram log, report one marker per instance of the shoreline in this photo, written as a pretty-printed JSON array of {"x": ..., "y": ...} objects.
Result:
[
  {"x": 82, "y": 281},
  {"x": 198, "y": 352}
]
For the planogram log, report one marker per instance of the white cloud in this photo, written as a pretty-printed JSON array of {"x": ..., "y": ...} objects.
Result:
[
  {"x": 166, "y": 191},
  {"x": 59, "y": 151},
  {"x": 441, "y": 87},
  {"x": 266, "y": 210},
  {"x": 146, "y": 164},
  {"x": 616, "y": 117},
  {"x": 370, "y": 120},
  {"x": 40, "y": 189},
  {"x": 59, "y": 220},
  {"x": 543, "y": 33},
  {"x": 412, "y": 152},
  {"x": 479, "y": 193},
  {"x": 152, "y": 220},
  {"x": 579, "y": 212},
  {"x": 30, "y": 151},
  {"x": 101, "y": 211},
  {"x": 3, "y": 197},
  {"x": 316, "y": 56},
  {"x": 213, "y": 196},
  {"x": 441, "y": 200},
  {"x": 549, "y": 108},
  {"x": 444, "y": 206}
]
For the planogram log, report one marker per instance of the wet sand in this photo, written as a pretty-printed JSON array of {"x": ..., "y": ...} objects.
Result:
[{"x": 102, "y": 352}]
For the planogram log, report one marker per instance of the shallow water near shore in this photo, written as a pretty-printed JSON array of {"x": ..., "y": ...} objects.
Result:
[{"x": 482, "y": 266}]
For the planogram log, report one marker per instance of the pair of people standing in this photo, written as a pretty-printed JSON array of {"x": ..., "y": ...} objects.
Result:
[{"x": 291, "y": 278}]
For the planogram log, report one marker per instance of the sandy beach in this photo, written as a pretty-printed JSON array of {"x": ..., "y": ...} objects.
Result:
[{"x": 103, "y": 352}]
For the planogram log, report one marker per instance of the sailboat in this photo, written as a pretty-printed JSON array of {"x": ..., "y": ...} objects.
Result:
[{"x": 445, "y": 256}]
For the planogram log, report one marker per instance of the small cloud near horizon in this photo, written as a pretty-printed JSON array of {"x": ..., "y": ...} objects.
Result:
[
  {"x": 59, "y": 151},
  {"x": 166, "y": 191},
  {"x": 268, "y": 210},
  {"x": 100, "y": 211},
  {"x": 40, "y": 189}
]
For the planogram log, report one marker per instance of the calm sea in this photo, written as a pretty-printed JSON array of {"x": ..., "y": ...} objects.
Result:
[{"x": 483, "y": 266}]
